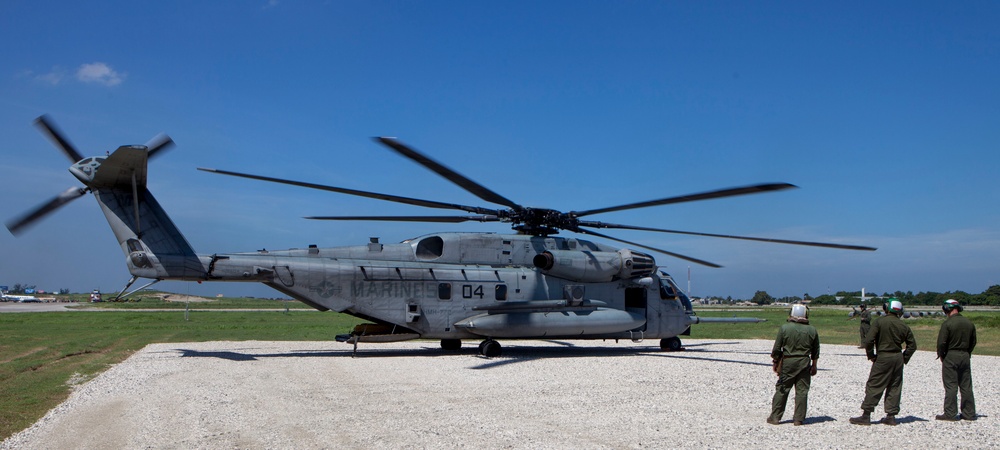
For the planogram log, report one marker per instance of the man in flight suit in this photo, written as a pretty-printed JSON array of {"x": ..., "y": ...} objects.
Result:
[
  {"x": 955, "y": 342},
  {"x": 887, "y": 335},
  {"x": 794, "y": 357},
  {"x": 866, "y": 324}
]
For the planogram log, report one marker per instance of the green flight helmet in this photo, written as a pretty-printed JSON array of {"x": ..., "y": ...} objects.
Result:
[
  {"x": 951, "y": 304},
  {"x": 893, "y": 305}
]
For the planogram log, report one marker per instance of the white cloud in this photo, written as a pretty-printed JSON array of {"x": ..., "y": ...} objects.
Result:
[
  {"x": 53, "y": 77},
  {"x": 100, "y": 73}
]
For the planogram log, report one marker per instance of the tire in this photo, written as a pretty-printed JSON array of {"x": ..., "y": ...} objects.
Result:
[
  {"x": 670, "y": 344},
  {"x": 451, "y": 344},
  {"x": 490, "y": 349}
]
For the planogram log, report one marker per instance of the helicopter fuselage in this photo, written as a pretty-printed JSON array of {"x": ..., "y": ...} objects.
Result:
[{"x": 464, "y": 285}]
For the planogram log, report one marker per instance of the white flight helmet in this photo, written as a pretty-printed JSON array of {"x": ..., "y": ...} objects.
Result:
[{"x": 799, "y": 312}]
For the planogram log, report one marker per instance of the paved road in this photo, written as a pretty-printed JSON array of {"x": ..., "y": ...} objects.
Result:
[{"x": 11, "y": 307}]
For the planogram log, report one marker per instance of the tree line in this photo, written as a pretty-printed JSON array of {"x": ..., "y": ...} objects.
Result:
[{"x": 989, "y": 297}]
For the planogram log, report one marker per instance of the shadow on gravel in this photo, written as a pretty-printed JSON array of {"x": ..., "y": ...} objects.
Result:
[
  {"x": 910, "y": 419},
  {"x": 702, "y": 358},
  {"x": 237, "y": 356},
  {"x": 512, "y": 354},
  {"x": 820, "y": 419}
]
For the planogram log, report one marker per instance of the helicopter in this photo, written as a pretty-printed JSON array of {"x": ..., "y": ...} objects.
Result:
[{"x": 448, "y": 286}]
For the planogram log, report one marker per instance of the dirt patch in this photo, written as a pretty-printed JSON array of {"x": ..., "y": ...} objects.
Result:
[{"x": 181, "y": 298}]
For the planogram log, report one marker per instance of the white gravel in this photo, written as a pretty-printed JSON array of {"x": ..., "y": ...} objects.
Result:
[{"x": 540, "y": 394}]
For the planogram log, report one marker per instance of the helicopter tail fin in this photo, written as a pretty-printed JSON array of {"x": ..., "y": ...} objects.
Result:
[{"x": 153, "y": 245}]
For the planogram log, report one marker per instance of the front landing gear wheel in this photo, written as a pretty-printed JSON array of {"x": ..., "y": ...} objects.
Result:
[
  {"x": 670, "y": 344},
  {"x": 490, "y": 348},
  {"x": 451, "y": 344}
]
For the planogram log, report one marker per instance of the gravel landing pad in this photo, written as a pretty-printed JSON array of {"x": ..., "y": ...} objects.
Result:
[{"x": 540, "y": 394}]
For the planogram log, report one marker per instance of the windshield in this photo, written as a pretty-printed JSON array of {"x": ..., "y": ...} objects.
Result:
[{"x": 670, "y": 291}]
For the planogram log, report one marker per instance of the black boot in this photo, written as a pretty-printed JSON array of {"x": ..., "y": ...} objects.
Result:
[
  {"x": 889, "y": 419},
  {"x": 863, "y": 419}
]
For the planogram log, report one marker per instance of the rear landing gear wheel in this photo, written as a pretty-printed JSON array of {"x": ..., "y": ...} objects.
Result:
[
  {"x": 670, "y": 344},
  {"x": 451, "y": 344},
  {"x": 490, "y": 348}
]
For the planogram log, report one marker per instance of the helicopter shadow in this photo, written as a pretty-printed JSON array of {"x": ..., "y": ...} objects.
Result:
[
  {"x": 512, "y": 354},
  {"x": 249, "y": 356},
  {"x": 522, "y": 354}
]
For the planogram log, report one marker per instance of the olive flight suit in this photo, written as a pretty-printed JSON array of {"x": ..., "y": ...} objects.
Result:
[
  {"x": 887, "y": 337},
  {"x": 796, "y": 345},
  {"x": 866, "y": 324},
  {"x": 955, "y": 342}
]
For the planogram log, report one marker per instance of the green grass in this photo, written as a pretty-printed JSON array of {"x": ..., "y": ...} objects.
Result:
[
  {"x": 42, "y": 353},
  {"x": 834, "y": 327}
]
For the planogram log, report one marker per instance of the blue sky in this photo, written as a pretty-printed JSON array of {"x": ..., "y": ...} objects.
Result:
[{"x": 887, "y": 116}]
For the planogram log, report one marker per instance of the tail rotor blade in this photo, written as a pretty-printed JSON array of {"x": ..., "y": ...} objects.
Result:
[
  {"x": 48, "y": 127},
  {"x": 29, "y": 218},
  {"x": 159, "y": 143}
]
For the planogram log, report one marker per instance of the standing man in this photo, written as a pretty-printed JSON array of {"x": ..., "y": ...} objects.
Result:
[
  {"x": 794, "y": 357},
  {"x": 887, "y": 335},
  {"x": 955, "y": 342},
  {"x": 866, "y": 324}
]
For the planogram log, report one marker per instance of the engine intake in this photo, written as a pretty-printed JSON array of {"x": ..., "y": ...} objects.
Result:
[{"x": 594, "y": 267}]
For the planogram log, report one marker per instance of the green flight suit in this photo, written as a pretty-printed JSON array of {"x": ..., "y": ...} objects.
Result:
[
  {"x": 866, "y": 324},
  {"x": 887, "y": 336},
  {"x": 955, "y": 342},
  {"x": 796, "y": 345}
]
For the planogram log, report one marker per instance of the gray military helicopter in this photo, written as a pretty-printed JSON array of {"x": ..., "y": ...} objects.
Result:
[{"x": 447, "y": 286}]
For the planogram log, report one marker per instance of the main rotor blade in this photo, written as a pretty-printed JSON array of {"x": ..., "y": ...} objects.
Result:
[
  {"x": 754, "y": 189},
  {"x": 159, "y": 143},
  {"x": 45, "y": 123},
  {"x": 29, "y": 218},
  {"x": 658, "y": 250},
  {"x": 727, "y": 236},
  {"x": 391, "y": 198},
  {"x": 438, "y": 219},
  {"x": 475, "y": 188}
]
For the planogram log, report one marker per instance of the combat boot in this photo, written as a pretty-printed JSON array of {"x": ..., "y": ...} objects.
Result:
[
  {"x": 889, "y": 419},
  {"x": 773, "y": 421},
  {"x": 946, "y": 417},
  {"x": 863, "y": 419}
]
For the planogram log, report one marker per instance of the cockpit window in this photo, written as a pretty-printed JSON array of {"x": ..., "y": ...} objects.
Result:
[
  {"x": 667, "y": 291},
  {"x": 430, "y": 248}
]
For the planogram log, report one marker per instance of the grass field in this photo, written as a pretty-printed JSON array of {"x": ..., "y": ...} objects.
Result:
[{"x": 43, "y": 354}]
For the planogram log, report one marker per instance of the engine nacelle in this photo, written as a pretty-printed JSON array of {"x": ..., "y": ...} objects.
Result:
[{"x": 594, "y": 267}]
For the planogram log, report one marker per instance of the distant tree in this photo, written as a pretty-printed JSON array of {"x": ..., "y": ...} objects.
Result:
[
  {"x": 991, "y": 296},
  {"x": 825, "y": 300},
  {"x": 762, "y": 298}
]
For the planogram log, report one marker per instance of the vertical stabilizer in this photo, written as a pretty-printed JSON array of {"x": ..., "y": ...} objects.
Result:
[{"x": 153, "y": 244}]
